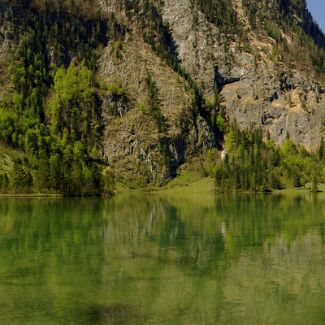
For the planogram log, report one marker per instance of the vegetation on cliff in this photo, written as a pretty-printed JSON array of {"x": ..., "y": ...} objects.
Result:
[{"x": 298, "y": 40}]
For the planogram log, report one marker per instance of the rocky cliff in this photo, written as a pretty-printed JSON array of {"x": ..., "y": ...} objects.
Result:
[
  {"x": 168, "y": 59},
  {"x": 267, "y": 92},
  {"x": 260, "y": 86}
]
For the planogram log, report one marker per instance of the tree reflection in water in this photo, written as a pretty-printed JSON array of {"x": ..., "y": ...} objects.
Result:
[{"x": 152, "y": 258}]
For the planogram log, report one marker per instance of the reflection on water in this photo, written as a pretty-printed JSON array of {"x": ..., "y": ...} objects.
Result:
[{"x": 138, "y": 259}]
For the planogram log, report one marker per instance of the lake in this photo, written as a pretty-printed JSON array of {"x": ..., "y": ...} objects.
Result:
[{"x": 163, "y": 259}]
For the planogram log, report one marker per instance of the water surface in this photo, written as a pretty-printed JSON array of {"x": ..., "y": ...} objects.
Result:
[{"x": 149, "y": 259}]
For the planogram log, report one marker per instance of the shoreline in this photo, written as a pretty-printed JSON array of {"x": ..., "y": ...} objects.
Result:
[
  {"x": 196, "y": 187},
  {"x": 49, "y": 196}
]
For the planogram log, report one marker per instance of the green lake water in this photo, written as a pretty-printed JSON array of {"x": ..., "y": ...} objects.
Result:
[{"x": 153, "y": 259}]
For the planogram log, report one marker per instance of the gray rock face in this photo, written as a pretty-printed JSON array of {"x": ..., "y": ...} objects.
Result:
[
  {"x": 257, "y": 92},
  {"x": 283, "y": 107},
  {"x": 196, "y": 39}
]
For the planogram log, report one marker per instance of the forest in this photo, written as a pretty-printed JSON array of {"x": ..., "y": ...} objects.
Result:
[
  {"x": 53, "y": 113},
  {"x": 254, "y": 164}
]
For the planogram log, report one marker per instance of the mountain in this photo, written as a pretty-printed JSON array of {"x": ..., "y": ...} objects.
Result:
[{"x": 97, "y": 91}]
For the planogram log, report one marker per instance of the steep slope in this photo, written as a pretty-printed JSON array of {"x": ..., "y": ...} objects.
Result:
[
  {"x": 266, "y": 78},
  {"x": 135, "y": 88},
  {"x": 264, "y": 57},
  {"x": 135, "y": 141},
  {"x": 151, "y": 137},
  {"x": 93, "y": 95}
]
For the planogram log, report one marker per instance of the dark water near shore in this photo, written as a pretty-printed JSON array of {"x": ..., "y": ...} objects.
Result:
[{"x": 148, "y": 259}]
